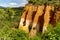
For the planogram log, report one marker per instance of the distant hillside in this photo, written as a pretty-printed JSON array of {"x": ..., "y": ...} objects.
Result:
[
  {"x": 13, "y": 7},
  {"x": 1, "y": 7}
]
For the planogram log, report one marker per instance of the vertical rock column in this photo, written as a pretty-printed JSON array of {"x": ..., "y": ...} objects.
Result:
[
  {"x": 57, "y": 14},
  {"x": 35, "y": 21},
  {"x": 46, "y": 18},
  {"x": 56, "y": 17},
  {"x": 23, "y": 17},
  {"x": 28, "y": 18}
]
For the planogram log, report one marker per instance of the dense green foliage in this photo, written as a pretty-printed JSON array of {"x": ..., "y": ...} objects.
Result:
[
  {"x": 9, "y": 16},
  {"x": 9, "y": 20},
  {"x": 44, "y": 1}
]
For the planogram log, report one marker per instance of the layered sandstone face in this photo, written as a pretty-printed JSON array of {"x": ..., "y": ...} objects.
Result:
[
  {"x": 55, "y": 17},
  {"x": 23, "y": 17},
  {"x": 38, "y": 17},
  {"x": 58, "y": 14},
  {"x": 46, "y": 18},
  {"x": 35, "y": 20},
  {"x": 26, "y": 18}
]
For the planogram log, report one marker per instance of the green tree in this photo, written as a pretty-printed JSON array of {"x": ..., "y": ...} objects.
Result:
[{"x": 56, "y": 2}]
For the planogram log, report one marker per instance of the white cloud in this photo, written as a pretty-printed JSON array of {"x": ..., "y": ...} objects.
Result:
[
  {"x": 13, "y": 4},
  {"x": 3, "y": 5},
  {"x": 16, "y": 5}
]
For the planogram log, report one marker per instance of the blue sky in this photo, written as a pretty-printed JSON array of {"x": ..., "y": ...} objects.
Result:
[{"x": 12, "y": 3}]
